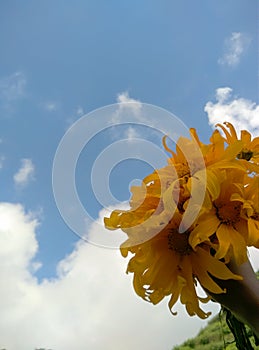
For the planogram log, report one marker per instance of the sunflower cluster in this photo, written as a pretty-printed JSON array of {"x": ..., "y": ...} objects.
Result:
[{"x": 189, "y": 219}]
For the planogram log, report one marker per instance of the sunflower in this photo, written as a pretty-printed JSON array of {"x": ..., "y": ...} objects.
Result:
[
  {"x": 167, "y": 262},
  {"x": 223, "y": 223},
  {"x": 248, "y": 195},
  {"x": 166, "y": 265},
  {"x": 250, "y": 149}
]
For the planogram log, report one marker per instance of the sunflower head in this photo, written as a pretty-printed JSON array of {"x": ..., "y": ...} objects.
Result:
[
  {"x": 250, "y": 149},
  {"x": 167, "y": 260}
]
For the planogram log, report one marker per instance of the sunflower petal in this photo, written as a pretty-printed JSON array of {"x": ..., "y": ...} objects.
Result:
[
  {"x": 205, "y": 228},
  {"x": 229, "y": 238}
]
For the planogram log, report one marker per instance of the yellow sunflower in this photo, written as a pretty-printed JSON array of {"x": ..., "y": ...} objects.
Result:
[
  {"x": 166, "y": 262},
  {"x": 250, "y": 149},
  {"x": 223, "y": 223},
  {"x": 166, "y": 265},
  {"x": 248, "y": 195}
]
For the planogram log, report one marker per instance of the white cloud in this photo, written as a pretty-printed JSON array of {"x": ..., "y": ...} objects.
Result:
[
  {"x": 25, "y": 173},
  {"x": 13, "y": 87},
  {"x": 128, "y": 103},
  {"x": 131, "y": 133},
  {"x": 51, "y": 106},
  {"x": 80, "y": 111},
  {"x": 77, "y": 114},
  {"x": 222, "y": 94},
  {"x": 235, "y": 47},
  {"x": 2, "y": 159},
  {"x": 18, "y": 246},
  {"x": 241, "y": 112},
  {"x": 123, "y": 97},
  {"x": 90, "y": 305},
  {"x": 128, "y": 108}
]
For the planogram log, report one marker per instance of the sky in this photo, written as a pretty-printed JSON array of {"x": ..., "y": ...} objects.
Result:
[{"x": 67, "y": 72}]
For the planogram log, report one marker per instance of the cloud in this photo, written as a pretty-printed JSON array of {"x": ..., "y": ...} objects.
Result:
[
  {"x": 123, "y": 97},
  {"x": 241, "y": 112},
  {"x": 127, "y": 102},
  {"x": 51, "y": 106},
  {"x": 235, "y": 47},
  {"x": 80, "y": 111},
  {"x": 222, "y": 94},
  {"x": 25, "y": 173},
  {"x": 2, "y": 159},
  {"x": 12, "y": 88},
  {"x": 131, "y": 133},
  {"x": 89, "y": 305},
  {"x": 127, "y": 109},
  {"x": 77, "y": 114}
]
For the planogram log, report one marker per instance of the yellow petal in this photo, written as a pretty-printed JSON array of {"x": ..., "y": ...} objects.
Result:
[
  {"x": 253, "y": 231},
  {"x": 179, "y": 284},
  {"x": 229, "y": 237},
  {"x": 255, "y": 143},
  {"x": 213, "y": 184},
  {"x": 200, "y": 270},
  {"x": 215, "y": 267},
  {"x": 232, "y": 130},
  {"x": 156, "y": 296},
  {"x": 232, "y": 150},
  {"x": 138, "y": 286},
  {"x": 166, "y": 147},
  {"x": 246, "y": 137},
  {"x": 168, "y": 200},
  {"x": 207, "y": 226}
]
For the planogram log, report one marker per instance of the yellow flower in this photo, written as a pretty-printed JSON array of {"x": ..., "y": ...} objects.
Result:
[
  {"x": 248, "y": 195},
  {"x": 223, "y": 224},
  {"x": 166, "y": 265},
  {"x": 250, "y": 149},
  {"x": 166, "y": 262}
]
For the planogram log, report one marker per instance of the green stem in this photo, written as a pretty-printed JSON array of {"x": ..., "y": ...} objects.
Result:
[{"x": 239, "y": 332}]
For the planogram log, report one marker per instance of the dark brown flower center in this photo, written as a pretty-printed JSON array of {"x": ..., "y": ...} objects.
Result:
[
  {"x": 255, "y": 216},
  {"x": 179, "y": 242},
  {"x": 228, "y": 213},
  {"x": 245, "y": 154}
]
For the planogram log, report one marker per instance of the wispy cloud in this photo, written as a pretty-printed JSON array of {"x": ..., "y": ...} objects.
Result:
[
  {"x": 25, "y": 173},
  {"x": 2, "y": 159},
  {"x": 241, "y": 112},
  {"x": 128, "y": 102},
  {"x": 12, "y": 88},
  {"x": 127, "y": 106},
  {"x": 123, "y": 97},
  {"x": 78, "y": 113},
  {"x": 131, "y": 133},
  {"x": 234, "y": 48},
  {"x": 143, "y": 119},
  {"x": 51, "y": 106}
]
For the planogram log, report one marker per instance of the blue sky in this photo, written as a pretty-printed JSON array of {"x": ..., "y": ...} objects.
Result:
[{"x": 61, "y": 60}]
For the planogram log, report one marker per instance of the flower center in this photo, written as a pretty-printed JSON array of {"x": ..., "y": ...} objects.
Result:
[
  {"x": 179, "y": 242},
  {"x": 182, "y": 170},
  {"x": 228, "y": 213},
  {"x": 255, "y": 216},
  {"x": 245, "y": 154}
]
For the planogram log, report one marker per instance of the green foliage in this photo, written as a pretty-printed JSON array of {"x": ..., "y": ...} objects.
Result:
[{"x": 216, "y": 336}]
